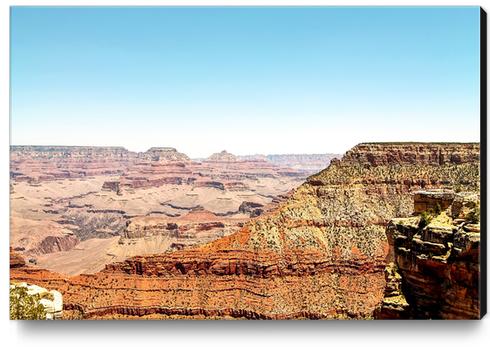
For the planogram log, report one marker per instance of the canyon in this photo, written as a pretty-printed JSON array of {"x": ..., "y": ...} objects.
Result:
[
  {"x": 347, "y": 243},
  {"x": 75, "y": 209}
]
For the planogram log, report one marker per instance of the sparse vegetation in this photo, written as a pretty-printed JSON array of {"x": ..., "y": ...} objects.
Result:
[
  {"x": 437, "y": 209},
  {"x": 474, "y": 215},
  {"x": 425, "y": 218},
  {"x": 428, "y": 216},
  {"x": 24, "y": 306}
]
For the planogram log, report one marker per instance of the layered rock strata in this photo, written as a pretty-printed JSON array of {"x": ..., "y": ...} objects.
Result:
[
  {"x": 309, "y": 163},
  {"x": 434, "y": 261},
  {"x": 16, "y": 260},
  {"x": 48, "y": 163},
  {"x": 165, "y": 154},
  {"x": 63, "y": 196},
  {"x": 222, "y": 156},
  {"x": 320, "y": 255}
]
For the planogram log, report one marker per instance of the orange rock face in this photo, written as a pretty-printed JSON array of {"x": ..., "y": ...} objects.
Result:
[
  {"x": 319, "y": 255},
  {"x": 16, "y": 259},
  {"x": 434, "y": 266}
]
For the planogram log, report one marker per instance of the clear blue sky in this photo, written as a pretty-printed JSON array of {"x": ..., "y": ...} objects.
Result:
[{"x": 249, "y": 80}]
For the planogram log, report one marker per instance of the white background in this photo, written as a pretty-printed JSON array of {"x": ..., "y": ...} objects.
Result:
[{"x": 204, "y": 333}]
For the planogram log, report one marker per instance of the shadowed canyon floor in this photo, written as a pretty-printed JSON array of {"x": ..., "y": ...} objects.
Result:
[{"x": 320, "y": 253}]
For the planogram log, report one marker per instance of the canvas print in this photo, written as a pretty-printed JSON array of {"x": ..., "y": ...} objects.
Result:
[{"x": 247, "y": 163}]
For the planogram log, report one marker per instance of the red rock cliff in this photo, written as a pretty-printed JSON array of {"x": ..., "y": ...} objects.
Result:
[{"x": 434, "y": 261}]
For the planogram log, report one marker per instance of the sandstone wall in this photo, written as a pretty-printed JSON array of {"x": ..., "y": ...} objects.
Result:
[{"x": 434, "y": 263}]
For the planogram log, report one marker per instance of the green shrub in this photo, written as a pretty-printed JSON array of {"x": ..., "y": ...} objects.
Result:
[
  {"x": 24, "y": 306},
  {"x": 438, "y": 209},
  {"x": 425, "y": 219},
  {"x": 474, "y": 215}
]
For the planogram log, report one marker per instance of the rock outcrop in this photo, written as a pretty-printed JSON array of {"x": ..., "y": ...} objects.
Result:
[
  {"x": 51, "y": 300},
  {"x": 165, "y": 154},
  {"x": 222, "y": 156},
  {"x": 413, "y": 153},
  {"x": 433, "y": 269},
  {"x": 16, "y": 260},
  {"x": 113, "y": 186},
  {"x": 311, "y": 163},
  {"x": 34, "y": 237},
  {"x": 254, "y": 209},
  {"x": 52, "y": 244},
  {"x": 196, "y": 227}
]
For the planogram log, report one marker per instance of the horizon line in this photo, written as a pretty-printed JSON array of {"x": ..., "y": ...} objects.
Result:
[{"x": 250, "y": 154}]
